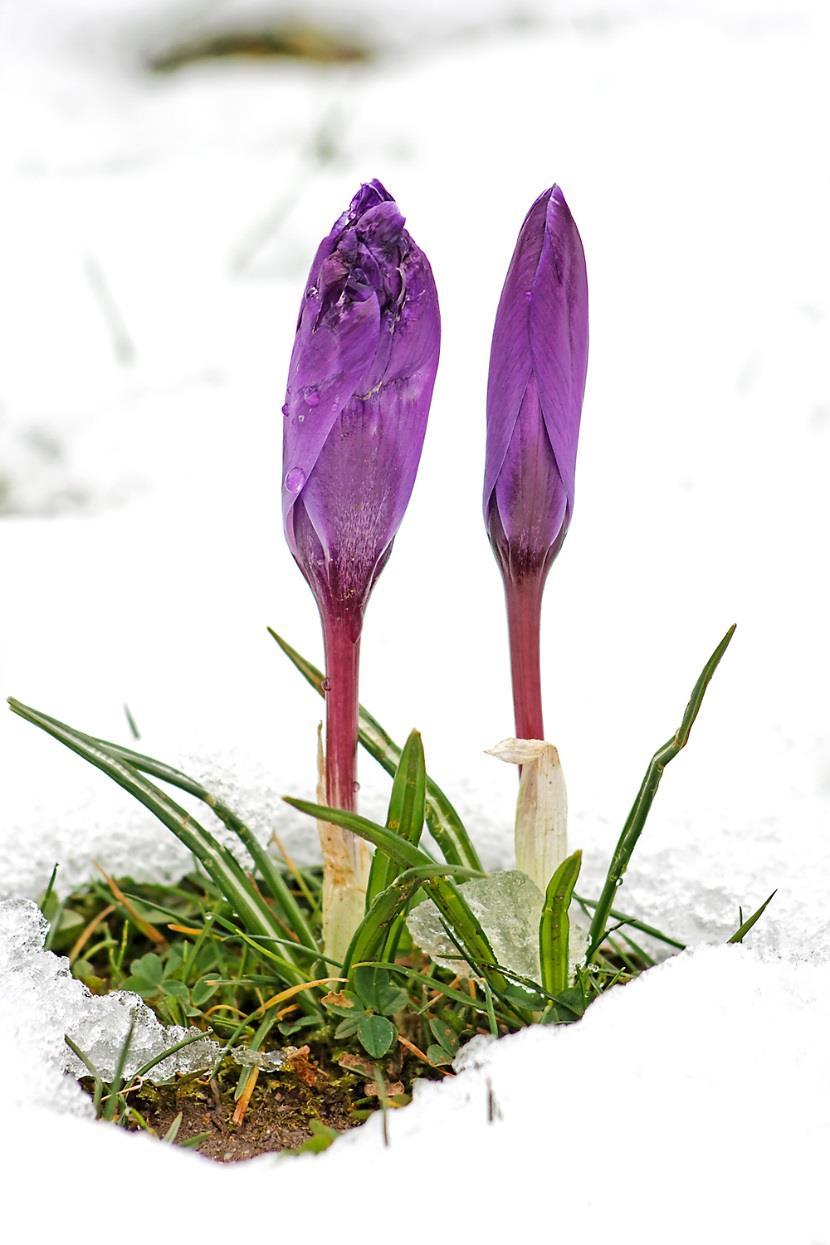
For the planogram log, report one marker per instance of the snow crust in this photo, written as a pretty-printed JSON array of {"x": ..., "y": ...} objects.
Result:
[
  {"x": 156, "y": 236},
  {"x": 42, "y": 1002}
]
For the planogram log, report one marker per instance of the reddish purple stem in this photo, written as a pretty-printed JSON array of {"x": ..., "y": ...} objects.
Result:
[
  {"x": 342, "y": 648},
  {"x": 524, "y": 612}
]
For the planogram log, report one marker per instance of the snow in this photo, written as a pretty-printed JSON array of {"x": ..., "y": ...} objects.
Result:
[
  {"x": 41, "y": 999},
  {"x": 156, "y": 237}
]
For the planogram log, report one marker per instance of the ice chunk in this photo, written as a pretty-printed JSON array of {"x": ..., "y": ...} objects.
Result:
[
  {"x": 42, "y": 1002},
  {"x": 508, "y": 906},
  {"x": 265, "y": 1060}
]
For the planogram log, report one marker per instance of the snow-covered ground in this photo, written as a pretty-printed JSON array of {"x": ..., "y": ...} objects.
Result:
[{"x": 156, "y": 234}]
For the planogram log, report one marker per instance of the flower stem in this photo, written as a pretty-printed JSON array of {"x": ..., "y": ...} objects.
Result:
[
  {"x": 342, "y": 666},
  {"x": 524, "y": 613},
  {"x": 346, "y": 859}
]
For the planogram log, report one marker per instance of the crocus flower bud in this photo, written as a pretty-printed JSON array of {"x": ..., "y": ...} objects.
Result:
[
  {"x": 538, "y": 362},
  {"x": 359, "y": 389}
]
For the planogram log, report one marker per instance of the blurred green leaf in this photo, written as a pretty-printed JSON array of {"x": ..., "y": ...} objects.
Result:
[
  {"x": 377, "y": 1035},
  {"x": 202, "y": 992},
  {"x": 444, "y": 1035},
  {"x": 348, "y": 1027},
  {"x": 321, "y": 1138},
  {"x": 149, "y": 967},
  {"x": 438, "y": 1055},
  {"x": 177, "y": 990}
]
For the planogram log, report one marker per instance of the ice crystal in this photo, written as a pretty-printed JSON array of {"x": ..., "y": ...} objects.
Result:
[{"x": 508, "y": 906}]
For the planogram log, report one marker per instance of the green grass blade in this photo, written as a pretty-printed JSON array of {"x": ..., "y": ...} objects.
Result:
[
  {"x": 371, "y": 933},
  {"x": 445, "y": 825},
  {"x": 645, "y": 796},
  {"x": 263, "y": 1029},
  {"x": 111, "y": 1100},
  {"x": 645, "y": 960},
  {"x": 98, "y": 1083},
  {"x": 173, "y": 1131},
  {"x": 405, "y": 816},
  {"x": 43, "y": 902},
  {"x": 463, "y": 923},
  {"x": 445, "y": 895},
  {"x": 257, "y": 851},
  {"x": 165, "y": 1054},
  {"x": 744, "y": 928},
  {"x": 554, "y": 926},
  {"x": 217, "y": 860},
  {"x": 434, "y": 983},
  {"x": 589, "y": 905},
  {"x": 261, "y": 857},
  {"x": 399, "y": 849}
]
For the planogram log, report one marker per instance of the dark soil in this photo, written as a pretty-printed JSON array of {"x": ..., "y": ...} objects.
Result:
[{"x": 285, "y": 1110}]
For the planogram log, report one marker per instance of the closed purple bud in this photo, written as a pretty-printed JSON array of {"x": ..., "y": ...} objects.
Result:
[
  {"x": 538, "y": 362},
  {"x": 359, "y": 389}
]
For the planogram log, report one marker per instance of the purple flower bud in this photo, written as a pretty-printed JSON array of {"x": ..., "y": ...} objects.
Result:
[
  {"x": 538, "y": 362},
  {"x": 359, "y": 388}
]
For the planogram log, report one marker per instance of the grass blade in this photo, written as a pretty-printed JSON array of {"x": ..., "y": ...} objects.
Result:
[
  {"x": 141, "y": 1072},
  {"x": 43, "y": 902},
  {"x": 256, "y": 850},
  {"x": 217, "y": 860},
  {"x": 445, "y": 825},
  {"x": 645, "y": 796},
  {"x": 173, "y": 1131},
  {"x": 371, "y": 933},
  {"x": 744, "y": 928},
  {"x": 589, "y": 905},
  {"x": 111, "y": 1100},
  {"x": 397, "y": 848},
  {"x": 98, "y": 1084},
  {"x": 445, "y": 895},
  {"x": 554, "y": 926},
  {"x": 405, "y": 816}
]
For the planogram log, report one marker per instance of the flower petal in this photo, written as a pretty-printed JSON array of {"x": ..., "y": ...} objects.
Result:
[{"x": 559, "y": 334}]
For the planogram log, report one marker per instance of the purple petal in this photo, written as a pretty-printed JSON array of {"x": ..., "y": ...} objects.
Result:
[
  {"x": 531, "y": 497},
  {"x": 510, "y": 364},
  {"x": 538, "y": 363},
  {"x": 356, "y": 495},
  {"x": 326, "y": 366},
  {"x": 359, "y": 388},
  {"x": 559, "y": 334}
]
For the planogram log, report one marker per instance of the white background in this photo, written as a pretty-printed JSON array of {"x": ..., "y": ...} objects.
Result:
[{"x": 141, "y": 553}]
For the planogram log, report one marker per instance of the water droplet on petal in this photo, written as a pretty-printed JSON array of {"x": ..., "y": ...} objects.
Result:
[
  {"x": 528, "y": 295},
  {"x": 312, "y": 397},
  {"x": 311, "y": 292},
  {"x": 326, "y": 685},
  {"x": 285, "y": 409},
  {"x": 301, "y": 419},
  {"x": 355, "y": 786},
  {"x": 295, "y": 479}
]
